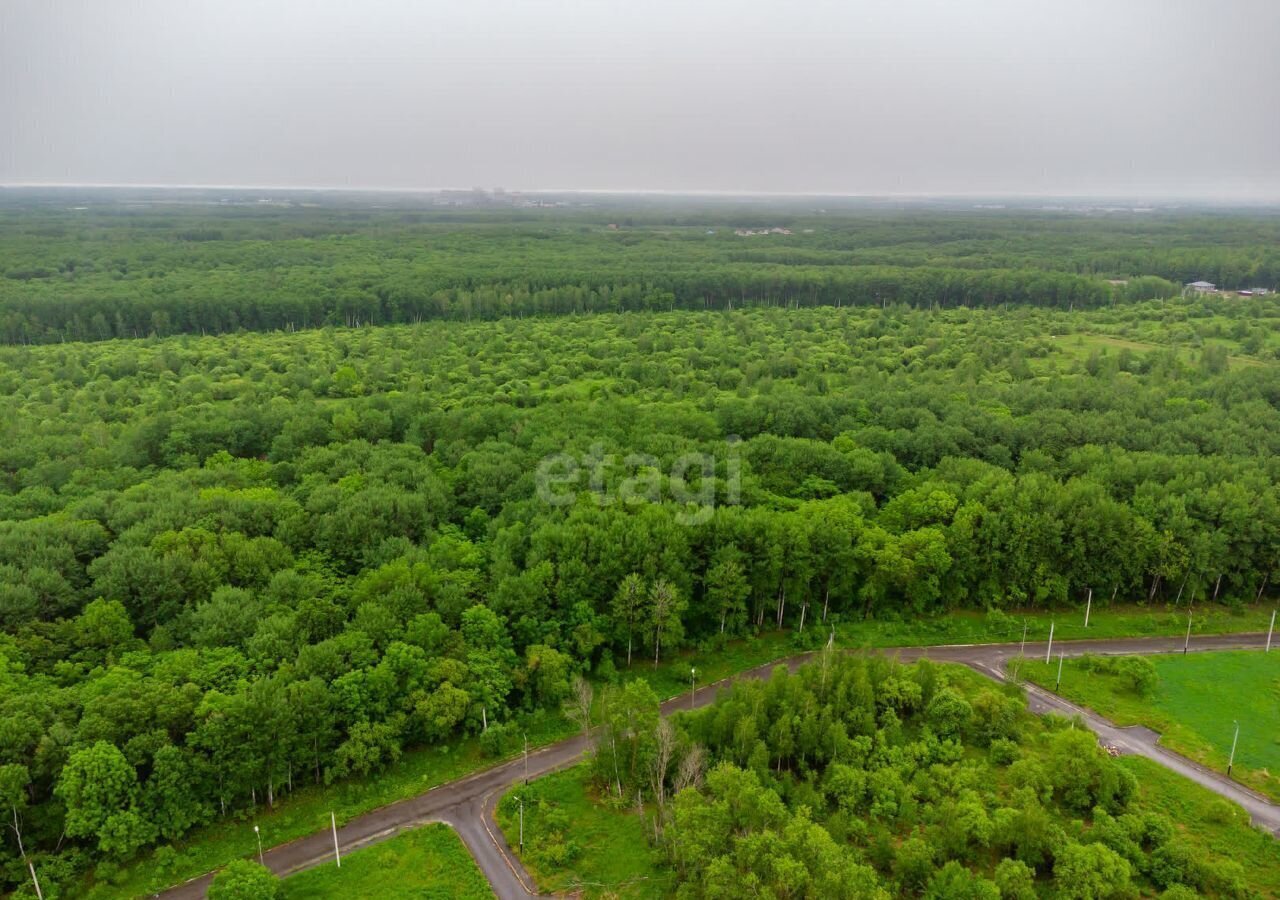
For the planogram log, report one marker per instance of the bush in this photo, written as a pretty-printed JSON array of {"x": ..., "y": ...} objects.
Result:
[
  {"x": 1221, "y": 812},
  {"x": 1139, "y": 673},
  {"x": 1000, "y": 624},
  {"x": 1003, "y": 751},
  {"x": 495, "y": 741},
  {"x": 244, "y": 880}
]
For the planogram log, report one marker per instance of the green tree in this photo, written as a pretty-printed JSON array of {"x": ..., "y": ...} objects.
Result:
[
  {"x": 1090, "y": 872},
  {"x": 628, "y": 608},
  {"x": 100, "y": 790},
  {"x": 666, "y": 607}
]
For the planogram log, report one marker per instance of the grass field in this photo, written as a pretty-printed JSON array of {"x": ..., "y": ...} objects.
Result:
[
  {"x": 1193, "y": 706},
  {"x": 307, "y": 809},
  {"x": 574, "y": 843},
  {"x": 422, "y": 864}
]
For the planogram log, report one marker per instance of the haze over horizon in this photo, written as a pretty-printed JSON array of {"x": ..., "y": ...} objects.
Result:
[{"x": 1143, "y": 99}]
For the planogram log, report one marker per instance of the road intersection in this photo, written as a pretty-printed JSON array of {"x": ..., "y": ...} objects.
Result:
[{"x": 468, "y": 804}]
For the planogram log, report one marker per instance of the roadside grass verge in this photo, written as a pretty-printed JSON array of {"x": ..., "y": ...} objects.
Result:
[
  {"x": 1194, "y": 704},
  {"x": 575, "y": 842},
  {"x": 426, "y": 863}
]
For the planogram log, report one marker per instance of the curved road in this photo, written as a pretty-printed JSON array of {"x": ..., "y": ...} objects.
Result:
[{"x": 468, "y": 804}]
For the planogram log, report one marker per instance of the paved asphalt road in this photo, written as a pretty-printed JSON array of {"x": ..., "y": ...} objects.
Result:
[{"x": 468, "y": 804}]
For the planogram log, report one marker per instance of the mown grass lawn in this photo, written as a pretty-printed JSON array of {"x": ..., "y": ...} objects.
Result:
[
  {"x": 575, "y": 842},
  {"x": 1194, "y": 704},
  {"x": 427, "y": 863}
]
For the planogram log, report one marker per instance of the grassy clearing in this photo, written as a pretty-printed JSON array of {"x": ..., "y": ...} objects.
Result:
[
  {"x": 307, "y": 809},
  {"x": 427, "y": 862},
  {"x": 574, "y": 842},
  {"x": 1210, "y": 823},
  {"x": 1193, "y": 706},
  {"x": 1080, "y": 345}
]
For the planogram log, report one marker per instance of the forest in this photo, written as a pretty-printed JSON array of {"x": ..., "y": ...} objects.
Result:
[
  {"x": 857, "y": 777},
  {"x": 234, "y": 564},
  {"x": 120, "y": 270}
]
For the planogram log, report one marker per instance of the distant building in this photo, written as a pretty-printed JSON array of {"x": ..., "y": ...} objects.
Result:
[{"x": 1201, "y": 287}]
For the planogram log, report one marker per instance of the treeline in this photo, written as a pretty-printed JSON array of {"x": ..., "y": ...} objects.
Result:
[
  {"x": 232, "y": 565},
  {"x": 112, "y": 272},
  {"x": 208, "y": 304},
  {"x": 860, "y": 778}
]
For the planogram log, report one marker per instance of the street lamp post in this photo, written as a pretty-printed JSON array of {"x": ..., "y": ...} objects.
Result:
[
  {"x": 333, "y": 822},
  {"x": 1048, "y": 652},
  {"x": 1058, "y": 684},
  {"x": 693, "y": 685},
  {"x": 526, "y": 759},
  {"x": 258, "y": 834},
  {"x": 1232, "y": 760},
  {"x": 521, "y": 799}
]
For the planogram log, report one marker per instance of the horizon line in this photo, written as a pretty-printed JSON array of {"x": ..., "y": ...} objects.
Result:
[{"x": 1259, "y": 200}]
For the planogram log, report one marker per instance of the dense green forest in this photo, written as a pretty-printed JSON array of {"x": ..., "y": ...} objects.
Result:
[
  {"x": 234, "y": 564},
  {"x": 861, "y": 778},
  {"x": 119, "y": 270}
]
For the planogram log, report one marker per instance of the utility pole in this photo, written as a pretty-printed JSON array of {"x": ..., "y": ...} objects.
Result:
[
  {"x": 1186, "y": 645},
  {"x": 1022, "y": 651},
  {"x": 526, "y": 759},
  {"x": 258, "y": 833},
  {"x": 337, "y": 857},
  {"x": 521, "y": 799},
  {"x": 1087, "y": 607},
  {"x": 693, "y": 688},
  {"x": 1049, "y": 650},
  {"x": 1270, "y": 630},
  {"x": 1058, "y": 683},
  {"x": 1232, "y": 760}
]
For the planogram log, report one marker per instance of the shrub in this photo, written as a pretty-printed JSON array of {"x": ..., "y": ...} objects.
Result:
[
  {"x": 244, "y": 880},
  {"x": 1003, "y": 751}
]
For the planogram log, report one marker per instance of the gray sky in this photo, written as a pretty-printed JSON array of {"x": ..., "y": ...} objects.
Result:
[{"x": 1134, "y": 97}]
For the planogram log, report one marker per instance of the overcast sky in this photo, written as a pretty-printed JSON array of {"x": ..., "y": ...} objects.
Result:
[{"x": 1133, "y": 97}]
